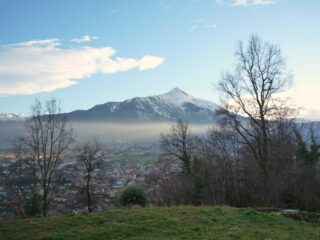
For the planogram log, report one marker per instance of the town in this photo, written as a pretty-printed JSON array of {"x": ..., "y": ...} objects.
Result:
[{"x": 128, "y": 164}]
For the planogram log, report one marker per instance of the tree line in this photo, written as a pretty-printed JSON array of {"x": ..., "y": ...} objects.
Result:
[{"x": 258, "y": 154}]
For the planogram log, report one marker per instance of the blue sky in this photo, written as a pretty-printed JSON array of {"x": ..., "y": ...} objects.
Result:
[{"x": 86, "y": 52}]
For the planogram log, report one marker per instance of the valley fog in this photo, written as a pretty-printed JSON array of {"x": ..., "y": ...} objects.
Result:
[
  {"x": 132, "y": 132},
  {"x": 105, "y": 132}
]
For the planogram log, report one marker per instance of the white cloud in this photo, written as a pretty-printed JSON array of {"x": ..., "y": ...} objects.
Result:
[
  {"x": 84, "y": 39},
  {"x": 201, "y": 24},
  {"x": 237, "y": 3},
  {"x": 306, "y": 99},
  {"x": 47, "y": 43},
  {"x": 240, "y": 2},
  {"x": 149, "y": 62},
  {"x": 264, "y": 2},
  {"x": 43, "y": 66}
]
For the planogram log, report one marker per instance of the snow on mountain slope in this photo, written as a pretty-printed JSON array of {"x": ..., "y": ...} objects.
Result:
[
  {"x": 170, "y": 106},
  {"x": 178, "y": 98},
  {"x": 16, "y": 117}
]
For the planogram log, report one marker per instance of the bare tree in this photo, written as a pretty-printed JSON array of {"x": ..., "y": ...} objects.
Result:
[
  {"x": 90, "y": 156},
  {"x": 178, "y": 149},
  {"x": 178, "y": 145},
  {"x": 252, "y": 91},
  {"x": 20, "y": 181},
  {"x": 47, "y": 138}
]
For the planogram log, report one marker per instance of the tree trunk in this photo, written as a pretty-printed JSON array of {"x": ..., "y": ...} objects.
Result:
[
  {"x": 45, "y": 202},
  {"x": 89, "y": 202}
]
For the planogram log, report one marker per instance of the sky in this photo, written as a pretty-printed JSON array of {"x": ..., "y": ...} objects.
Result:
[{"x": 88, "y": 52}]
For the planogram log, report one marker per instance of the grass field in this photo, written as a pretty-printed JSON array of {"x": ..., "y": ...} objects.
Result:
[{"x": 162, "y": 223}]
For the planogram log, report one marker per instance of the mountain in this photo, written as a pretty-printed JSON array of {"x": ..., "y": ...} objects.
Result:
[
  {"x": 14, "y": 117},
  {"x": 170, "y": 106}
]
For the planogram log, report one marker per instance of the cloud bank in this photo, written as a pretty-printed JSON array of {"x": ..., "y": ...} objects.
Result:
[
  {"x": 306, "y": 99},
  {"x": 44, "y": 65}
]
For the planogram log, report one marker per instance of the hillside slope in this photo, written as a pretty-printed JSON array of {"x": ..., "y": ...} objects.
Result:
[{"x": 162, "y": 223}]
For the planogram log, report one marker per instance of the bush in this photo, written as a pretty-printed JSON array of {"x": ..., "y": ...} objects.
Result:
[{"x": 133, "y": 195}]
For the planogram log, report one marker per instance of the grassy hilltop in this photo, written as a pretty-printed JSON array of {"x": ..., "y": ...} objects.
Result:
[{"x": 162, "y": 223}]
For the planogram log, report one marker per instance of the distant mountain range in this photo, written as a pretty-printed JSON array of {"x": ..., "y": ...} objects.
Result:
[
  {"x": 168, "y": 107},
  {"x": 116, "y": 120}
]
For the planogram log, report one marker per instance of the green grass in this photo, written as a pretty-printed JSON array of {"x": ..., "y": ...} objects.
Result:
[{"x": 162, "y": 223}]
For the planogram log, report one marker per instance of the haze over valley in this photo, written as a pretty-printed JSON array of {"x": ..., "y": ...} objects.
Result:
[{"x": 133, "y": 121}]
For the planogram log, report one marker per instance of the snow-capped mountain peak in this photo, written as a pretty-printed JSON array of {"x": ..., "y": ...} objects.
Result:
[
  {"x": 179, "y": 98},
  {"x": 17, "y": 117},
  {"x": 171, "y": 106},
  {"x": 175, "y": 96},
  {"x": 176, "y": 92}
]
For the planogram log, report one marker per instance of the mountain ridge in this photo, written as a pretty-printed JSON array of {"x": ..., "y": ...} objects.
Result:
[{"x": 171, "y": 106}]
